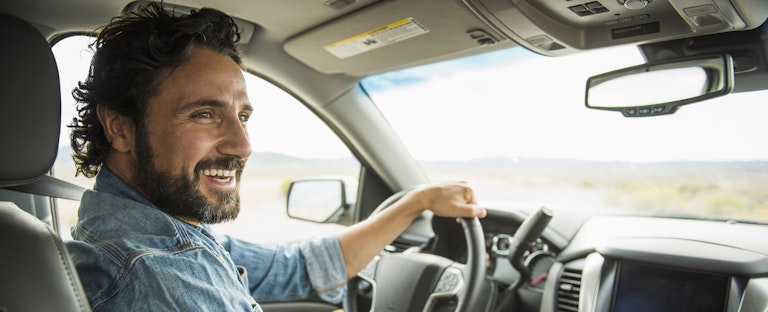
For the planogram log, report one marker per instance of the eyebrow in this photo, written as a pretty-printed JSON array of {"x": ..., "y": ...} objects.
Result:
[{"x": 209, "y": 103}]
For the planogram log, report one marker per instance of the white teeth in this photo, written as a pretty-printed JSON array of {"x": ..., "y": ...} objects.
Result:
[{"x": 218, "y": 173}]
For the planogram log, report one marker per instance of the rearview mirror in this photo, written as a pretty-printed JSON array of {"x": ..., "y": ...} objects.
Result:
[{"x": 660, "y": 88}]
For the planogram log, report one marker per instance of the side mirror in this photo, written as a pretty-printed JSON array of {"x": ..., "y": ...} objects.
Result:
[
  {"x": 659, "y": 88},
  {"x": 321, "y": 200}
]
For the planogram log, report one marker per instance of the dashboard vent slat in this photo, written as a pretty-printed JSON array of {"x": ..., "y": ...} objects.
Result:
[{"x": 568, "y": 291}]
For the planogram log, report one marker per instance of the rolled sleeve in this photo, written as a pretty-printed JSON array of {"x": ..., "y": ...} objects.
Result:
[
  {"x": 285, "y": 272},
  {"x": 326, "y": 268}
]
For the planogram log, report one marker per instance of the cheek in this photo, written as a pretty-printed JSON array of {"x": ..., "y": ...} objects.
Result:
[{"x": 181, "y": 153}]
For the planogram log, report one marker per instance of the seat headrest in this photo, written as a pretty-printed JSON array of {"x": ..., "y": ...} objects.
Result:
[{"x": 30, "y": 103}]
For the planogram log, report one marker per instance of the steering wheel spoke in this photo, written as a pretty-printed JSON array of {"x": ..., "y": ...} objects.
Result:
[{"x": 450, "y": 285}]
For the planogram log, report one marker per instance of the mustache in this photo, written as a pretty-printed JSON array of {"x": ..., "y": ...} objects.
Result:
[{"x": 228, "y": 163}]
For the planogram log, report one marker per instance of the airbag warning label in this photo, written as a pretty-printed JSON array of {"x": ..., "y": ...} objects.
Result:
[{"x": 377, "y": 38}]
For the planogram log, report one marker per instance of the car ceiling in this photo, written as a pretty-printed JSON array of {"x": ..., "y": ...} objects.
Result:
[{"x": 287, "y": 41}]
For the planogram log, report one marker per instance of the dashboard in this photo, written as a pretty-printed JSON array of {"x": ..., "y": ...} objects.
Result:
[
  {"x": 633, "y": 263},
  {"x": 625, "y": 263}
]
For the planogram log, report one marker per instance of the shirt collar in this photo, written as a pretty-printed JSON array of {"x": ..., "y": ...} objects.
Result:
[{"x": 108, "y": 182}]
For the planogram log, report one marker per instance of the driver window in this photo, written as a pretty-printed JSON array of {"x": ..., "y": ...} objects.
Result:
[{"x": 288, "y": 141}]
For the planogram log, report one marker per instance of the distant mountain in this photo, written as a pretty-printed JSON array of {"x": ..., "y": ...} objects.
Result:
[
  {"x": 499, "y": 164},
  {"x": 504, "y": 164},
  {"x": 257, "y": 160}
]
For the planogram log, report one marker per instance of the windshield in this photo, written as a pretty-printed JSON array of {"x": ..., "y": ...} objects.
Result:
[{"x": 513, "y": 123}]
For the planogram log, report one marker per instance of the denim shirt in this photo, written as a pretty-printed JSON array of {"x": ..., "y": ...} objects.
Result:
[{"x": 131, "y": 256}]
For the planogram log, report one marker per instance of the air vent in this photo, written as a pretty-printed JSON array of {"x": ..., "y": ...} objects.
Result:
[{"x": 568, "y": 291}]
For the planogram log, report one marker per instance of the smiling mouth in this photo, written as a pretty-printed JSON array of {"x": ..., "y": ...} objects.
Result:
[{"x": 224, "y": 177}]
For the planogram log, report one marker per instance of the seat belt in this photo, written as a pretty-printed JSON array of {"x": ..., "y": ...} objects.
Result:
[{"x": 49, "y": 186}]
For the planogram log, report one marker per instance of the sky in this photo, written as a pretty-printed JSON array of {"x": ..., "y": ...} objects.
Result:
[{"x": 532, "y": 106}]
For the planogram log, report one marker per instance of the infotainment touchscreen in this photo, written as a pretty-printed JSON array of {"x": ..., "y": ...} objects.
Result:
[{"x": 650, "y": 288}]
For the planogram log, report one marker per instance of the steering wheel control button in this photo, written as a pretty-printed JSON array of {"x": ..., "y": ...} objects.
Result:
[{"x": 450, "y": 282}]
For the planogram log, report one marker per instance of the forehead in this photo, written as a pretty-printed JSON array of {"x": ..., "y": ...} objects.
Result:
[{"x": 206, "y": 75}]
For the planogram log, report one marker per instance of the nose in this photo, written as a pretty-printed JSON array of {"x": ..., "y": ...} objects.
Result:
[{"x": 234, "y": 139}]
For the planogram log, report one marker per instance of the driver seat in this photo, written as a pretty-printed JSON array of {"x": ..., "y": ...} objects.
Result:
[{"x": 36, "y": 272}]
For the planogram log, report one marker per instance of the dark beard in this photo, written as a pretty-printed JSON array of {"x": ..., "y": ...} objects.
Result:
[{"x": 180, "y": 195}]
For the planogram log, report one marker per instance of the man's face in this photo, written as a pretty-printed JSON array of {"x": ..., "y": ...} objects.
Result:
[{"x": 192, "y": 148}]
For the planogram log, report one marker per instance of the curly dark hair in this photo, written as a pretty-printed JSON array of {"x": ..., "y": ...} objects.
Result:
[{"x": 133, "y": 54}]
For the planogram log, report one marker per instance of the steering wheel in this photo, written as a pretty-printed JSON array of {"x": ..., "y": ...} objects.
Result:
[{"x": 420, "y": 281}]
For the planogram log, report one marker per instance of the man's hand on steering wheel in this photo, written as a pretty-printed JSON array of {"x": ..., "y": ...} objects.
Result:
[
  {"x": 408, "y": 281},
  {"x": 446, "y": 199}
]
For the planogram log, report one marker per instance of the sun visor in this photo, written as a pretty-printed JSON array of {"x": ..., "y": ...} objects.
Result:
[{"x": 394, "y": 35}]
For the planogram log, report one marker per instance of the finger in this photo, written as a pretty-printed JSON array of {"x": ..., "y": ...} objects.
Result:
[
  {"x": 469, "y": 195},
  {"x": 478, "y": 212},
  {"x": 481, "y": 213},
  {"x": 472, "y": 211},
  {"x": 475, "y": 212}
]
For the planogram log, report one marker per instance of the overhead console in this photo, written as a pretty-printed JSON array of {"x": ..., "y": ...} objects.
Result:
[{"x": 562, "y": 27}]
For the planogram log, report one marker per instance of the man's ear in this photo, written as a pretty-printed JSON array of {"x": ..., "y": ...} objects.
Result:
[{"x": 118, "y": 129}]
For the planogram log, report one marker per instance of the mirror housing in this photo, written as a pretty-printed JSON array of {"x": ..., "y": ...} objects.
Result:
[
  {"x": 321, "y": 200},
  {"x": 659, "y": 88}
]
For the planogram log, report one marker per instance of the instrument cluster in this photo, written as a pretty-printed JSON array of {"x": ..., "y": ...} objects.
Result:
[{"x": 538, "y": 258}]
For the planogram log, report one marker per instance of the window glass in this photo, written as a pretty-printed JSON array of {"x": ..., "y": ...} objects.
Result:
[
  {"x": 514, "y": 124},
  {"x": 287, "y": 139},
  {"x": 72, "y": 58}
]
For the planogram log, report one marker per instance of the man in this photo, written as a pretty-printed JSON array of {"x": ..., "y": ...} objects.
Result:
[{"x": 161, "y": 126}]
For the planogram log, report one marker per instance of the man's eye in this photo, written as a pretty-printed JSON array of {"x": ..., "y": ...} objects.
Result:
[
  {"x": 203, "y": 115},
  {"x": 244, "y": 117}
]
